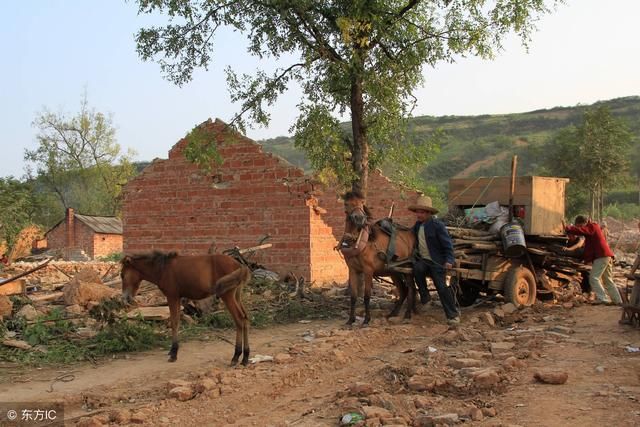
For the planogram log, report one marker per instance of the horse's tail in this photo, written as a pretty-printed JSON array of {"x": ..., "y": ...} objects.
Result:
[{"x": 237, "y": 278}]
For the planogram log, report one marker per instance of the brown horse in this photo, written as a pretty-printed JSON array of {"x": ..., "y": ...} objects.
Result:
[
  {"x": 192, "y": 277},
  {"x": 366, "y": 251}
]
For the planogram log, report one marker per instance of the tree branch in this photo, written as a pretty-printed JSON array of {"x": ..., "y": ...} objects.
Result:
[{"x": 269, "y": 85}]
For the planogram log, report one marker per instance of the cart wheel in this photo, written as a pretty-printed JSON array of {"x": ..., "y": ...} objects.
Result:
[
  {"x": 467, "y": 293},
  {"x": 520, "y": 287}
]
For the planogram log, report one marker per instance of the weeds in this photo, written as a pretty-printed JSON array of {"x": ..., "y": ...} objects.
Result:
[
  {"x": 112, "y": 257},
  {"x": 108, "y": 310},
  {"x": 218, "y": 320},
  {"x": 126, "y": 335},
  {"x": 49, "y": 328}
]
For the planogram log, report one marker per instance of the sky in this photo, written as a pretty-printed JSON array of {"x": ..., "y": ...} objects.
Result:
[{"x": 54, "y": 50}]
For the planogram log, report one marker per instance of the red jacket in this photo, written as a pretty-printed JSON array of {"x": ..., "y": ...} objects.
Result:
[{"x": 595, "y": 245}]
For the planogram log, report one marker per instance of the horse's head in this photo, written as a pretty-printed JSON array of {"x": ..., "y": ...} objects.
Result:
[
  {"x": 131, "y": 279},
  {"x": 355, "y": 209}
]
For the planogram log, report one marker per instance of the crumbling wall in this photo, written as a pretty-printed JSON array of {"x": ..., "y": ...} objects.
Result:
[{"x": 174, "y": 206}]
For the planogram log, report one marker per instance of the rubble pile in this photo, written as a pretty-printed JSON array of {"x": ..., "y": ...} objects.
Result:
[{"x": 57, "y": 273}]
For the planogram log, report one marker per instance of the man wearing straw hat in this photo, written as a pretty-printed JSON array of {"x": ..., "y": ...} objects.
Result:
[{"x": 433, "y": 257}]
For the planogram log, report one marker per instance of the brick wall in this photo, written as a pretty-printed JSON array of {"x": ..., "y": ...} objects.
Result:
[
  {"x": 106, "y": 244},
  {"x": 172, "y": 205},
  {"x": 57, "y": 236},
  {"x": 84, "y": 238}
]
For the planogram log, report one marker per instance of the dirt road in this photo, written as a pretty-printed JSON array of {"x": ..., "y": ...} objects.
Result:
[{"x": 418, "y": 373}]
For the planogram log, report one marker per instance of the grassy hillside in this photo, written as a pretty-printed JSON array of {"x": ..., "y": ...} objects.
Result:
[{"x": 483, "y": 145}]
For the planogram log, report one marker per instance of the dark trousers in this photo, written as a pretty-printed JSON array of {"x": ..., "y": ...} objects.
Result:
[{"x": 423, "y": 268}]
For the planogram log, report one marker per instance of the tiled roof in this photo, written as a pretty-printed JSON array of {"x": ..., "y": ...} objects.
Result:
[{"x": 102, "y": 224}]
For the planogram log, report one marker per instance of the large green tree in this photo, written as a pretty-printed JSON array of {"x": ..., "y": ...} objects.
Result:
[
  {"x": 594, "y": 155},
  {"x": 20, "y": 204},
  {"x": 79, "y": 160},
  {"x": 360, "y": 58}
]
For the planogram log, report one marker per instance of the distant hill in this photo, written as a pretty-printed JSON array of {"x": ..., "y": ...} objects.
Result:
[{"x": 483, "y": 145}]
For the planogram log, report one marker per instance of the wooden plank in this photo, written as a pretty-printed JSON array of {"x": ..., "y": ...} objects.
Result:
[
  {"x": 255, "y": 248},
  {"x": 496, "y": 263},
  {"x": 462, "y": 232},
  {"x": 15, "y": 287},
  {"x": 470, "y": 264},
  {"x": 485, "y": 246},
  {"x": 481, "y": 191},
  {"x": 22, "y": 345},
  {"x": 46, "y": 297},
  {"x": 476, "y": 274},
  {"x": 150, "y": 313},
  {"x": 547, "y": 206}
]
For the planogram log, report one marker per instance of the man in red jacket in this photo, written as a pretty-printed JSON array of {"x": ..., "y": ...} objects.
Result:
[{"x": 597, "y": 252}]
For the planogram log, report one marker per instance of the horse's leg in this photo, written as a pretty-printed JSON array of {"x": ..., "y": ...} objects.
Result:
[
  {"x": 174, "y": 311},
  {"x": 245, "y": 327},
  {"x": 411, "y": 295},
  {"x": 402, "y": 294},
  {"x": 368, "y": 285},
  {"x": 230, "y": 302},
  {"x": 354, "y": 278}
]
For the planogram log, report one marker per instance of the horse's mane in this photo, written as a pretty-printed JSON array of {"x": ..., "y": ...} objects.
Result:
[
  {"x": 156, "y": 258},
  {"x": 367, "y": 212}
]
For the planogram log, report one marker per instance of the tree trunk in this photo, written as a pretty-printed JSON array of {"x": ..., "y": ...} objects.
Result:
[
  {"x": 600, "y": 202},
  {"x": 360, "y": 155}
]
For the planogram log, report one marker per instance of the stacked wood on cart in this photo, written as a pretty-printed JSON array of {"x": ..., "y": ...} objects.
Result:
[{"x": 508, "y": 238}]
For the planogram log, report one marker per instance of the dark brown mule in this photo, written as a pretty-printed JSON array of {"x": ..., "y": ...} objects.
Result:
[
  {"x": 366, "y": 247},
  {"x": 192, "y": 277}
]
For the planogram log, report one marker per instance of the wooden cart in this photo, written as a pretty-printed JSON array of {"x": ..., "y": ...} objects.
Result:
[{"x": 539, "y": 204}]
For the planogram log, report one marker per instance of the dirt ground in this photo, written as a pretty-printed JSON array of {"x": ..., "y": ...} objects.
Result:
[{"x": 393, "y": 373}]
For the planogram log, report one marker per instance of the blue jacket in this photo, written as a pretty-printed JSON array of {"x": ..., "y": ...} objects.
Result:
[{"x": 438, "y": 241}]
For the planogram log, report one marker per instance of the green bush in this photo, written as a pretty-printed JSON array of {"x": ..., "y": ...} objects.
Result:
[
  {"x": 626, "y": 196},
  {"x": 219, "y": 320},
  {"x": 48, "y": 328},
  {"x": 112, "y": 257},
  {"x": 126, "y": 335},
  {"x": 623, "y": 211}
]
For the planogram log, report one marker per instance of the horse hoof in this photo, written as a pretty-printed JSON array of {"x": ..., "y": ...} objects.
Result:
[
  {"x": 350, "y": 322},
  {"x": 172, "y": 359}
]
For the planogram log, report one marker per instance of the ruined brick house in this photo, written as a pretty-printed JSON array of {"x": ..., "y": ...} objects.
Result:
[
  {"x": 85, "y": 236},
  {"x": 174, "y": 206}
]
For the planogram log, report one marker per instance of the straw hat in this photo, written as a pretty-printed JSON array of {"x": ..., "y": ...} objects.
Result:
[{"x": 423, "y": 203}]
